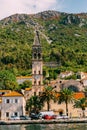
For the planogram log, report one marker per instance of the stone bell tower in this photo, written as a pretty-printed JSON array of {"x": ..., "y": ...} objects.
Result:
[{"x": 37, "y": 65}]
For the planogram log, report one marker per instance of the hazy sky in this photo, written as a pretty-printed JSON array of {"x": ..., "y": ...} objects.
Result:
[{"x": 9, "y": 7}]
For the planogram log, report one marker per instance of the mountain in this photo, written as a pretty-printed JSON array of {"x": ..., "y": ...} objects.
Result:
[{"x": 63, "y": 37}]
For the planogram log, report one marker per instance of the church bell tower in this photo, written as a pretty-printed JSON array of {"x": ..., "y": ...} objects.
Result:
[{"x": 37, "y": 65}]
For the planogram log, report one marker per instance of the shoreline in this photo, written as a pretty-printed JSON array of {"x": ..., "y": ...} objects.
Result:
[{"x": 58, "y": 121}]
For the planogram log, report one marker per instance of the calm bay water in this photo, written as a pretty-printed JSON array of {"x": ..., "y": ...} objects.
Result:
[{"x": 45, "y": 127}]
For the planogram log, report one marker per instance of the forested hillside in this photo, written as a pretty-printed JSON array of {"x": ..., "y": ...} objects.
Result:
[{"x": 63, "y": 37}]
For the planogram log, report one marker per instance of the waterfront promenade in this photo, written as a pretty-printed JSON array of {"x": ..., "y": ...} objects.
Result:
[{"x": 54, "y": 121}]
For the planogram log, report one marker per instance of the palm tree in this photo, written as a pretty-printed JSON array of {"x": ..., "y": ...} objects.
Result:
[
  {"x": 81, "y": 103},
  {"x": 47, "y": 96},
  {"x": 65, "y": 95},
  {"x": 34, "y": 104}
]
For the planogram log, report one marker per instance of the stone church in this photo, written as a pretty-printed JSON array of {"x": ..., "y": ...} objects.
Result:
[{"x": 37, "y": 81}]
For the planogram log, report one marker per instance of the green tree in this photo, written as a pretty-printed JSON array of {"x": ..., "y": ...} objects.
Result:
[
  {"x": 34, "y": 104},
  {"x": 47, "y": 95},
  {"x": 12, "y": 85},
  {"x": 26, "y": 84},
  {"x": 81, "y": 103},
  {"x": 66, "y": 95},
  {"x": 7, "y": 80}
]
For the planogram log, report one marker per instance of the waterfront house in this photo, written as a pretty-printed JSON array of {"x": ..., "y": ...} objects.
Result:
[{"x": 12, "y": 104}]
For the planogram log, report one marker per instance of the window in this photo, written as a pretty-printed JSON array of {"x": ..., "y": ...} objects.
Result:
[
  {"x": 40, "y": 93},
  {"x": 34, "y": 82},
  {"x": 39, "y": 55},
  {"x": 34, "y": 93},
  {"x": 39, "y": 71},
  {"x": 35, "y": 72},
  {"x": 60, "y": 81},
  {"x": 39, "y": 82},
  {"x": 15, "y": 114},
  {"x": 35, "y": 56},
  {"x": 3, "y": 93},
  {"x": 7, "y": 101},
  {"x": 16, "y": 100},
  {"x": 55, "y": 86},
  {"x": 7, "y": 114}
]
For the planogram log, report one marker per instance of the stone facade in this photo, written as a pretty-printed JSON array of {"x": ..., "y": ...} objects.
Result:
[
  {"x": 58, "y": 108},
  {"x": 61, "y": 108}
]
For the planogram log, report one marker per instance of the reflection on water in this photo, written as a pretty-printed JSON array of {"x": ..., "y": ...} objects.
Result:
[{"x": 45, "y": 127}]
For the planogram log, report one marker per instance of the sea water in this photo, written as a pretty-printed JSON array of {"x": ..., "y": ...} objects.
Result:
[{"x": 75, "y": 126}]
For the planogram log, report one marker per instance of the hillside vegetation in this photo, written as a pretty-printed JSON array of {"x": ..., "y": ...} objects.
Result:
[{"x": 63, "y": 37}]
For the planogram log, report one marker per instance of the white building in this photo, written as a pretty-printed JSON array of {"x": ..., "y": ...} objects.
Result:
[
  {"x": 12, "y": 104},
  {"x": 66, "y": 74}
]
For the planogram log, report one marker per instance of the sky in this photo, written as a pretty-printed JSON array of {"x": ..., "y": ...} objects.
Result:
[{"x": 10, "y": 7}]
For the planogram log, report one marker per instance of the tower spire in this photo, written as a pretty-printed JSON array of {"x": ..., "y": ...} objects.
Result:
[{"x": 36, "y": 39}]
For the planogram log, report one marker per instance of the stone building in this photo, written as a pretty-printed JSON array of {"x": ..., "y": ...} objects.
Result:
[{"x": 60, "y": 109}]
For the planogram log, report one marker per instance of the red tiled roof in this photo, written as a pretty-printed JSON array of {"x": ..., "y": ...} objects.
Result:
[
  {"x": 28, "y": 89},
  {"x": 76, "y": 95},
  {"x": 12, "y": 94},
  {"x": 79, "y": 95}
]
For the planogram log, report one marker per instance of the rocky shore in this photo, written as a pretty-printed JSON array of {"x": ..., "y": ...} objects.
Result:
[{"x": 60, "y": 121}]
